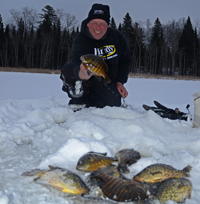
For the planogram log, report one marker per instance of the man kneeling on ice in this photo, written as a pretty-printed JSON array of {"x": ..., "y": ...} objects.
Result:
[{"x": 105, "y": 86}]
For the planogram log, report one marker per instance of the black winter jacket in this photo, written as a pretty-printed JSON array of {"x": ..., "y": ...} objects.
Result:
[{"x": 112, "y": 48}]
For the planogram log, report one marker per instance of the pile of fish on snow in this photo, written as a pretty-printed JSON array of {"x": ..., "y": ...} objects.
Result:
[{"x": 107, "y": 181}]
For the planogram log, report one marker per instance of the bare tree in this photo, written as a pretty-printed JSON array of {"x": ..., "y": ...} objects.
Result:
[
  {"x": 147, "y": 32},
  {"x": 172, "y": 33},
  {"x": 197, "y": 26},
  {"x": 147, "y": 40},
  {"x": 28, "y": 15},
  {"x": 67, "y": 20},
  {"x": 138, "y": 45}
]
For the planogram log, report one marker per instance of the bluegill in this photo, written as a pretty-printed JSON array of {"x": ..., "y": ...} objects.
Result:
[
  {"x": 92, "y": 161},
  {"x": 97, "y": 66},
  {"x": 160, "y": 172},
  {"x": 60, "y": 179},
  {"x": 176, "y": 189}
]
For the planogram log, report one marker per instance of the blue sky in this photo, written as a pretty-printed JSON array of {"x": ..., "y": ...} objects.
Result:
[{"x": 139, "y": 10}]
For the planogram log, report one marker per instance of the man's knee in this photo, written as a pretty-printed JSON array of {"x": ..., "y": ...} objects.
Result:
[{"x": 75, "y": 88}]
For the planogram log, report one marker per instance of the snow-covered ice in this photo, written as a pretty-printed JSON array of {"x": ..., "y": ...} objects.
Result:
[{"x": 38, "y": 129}]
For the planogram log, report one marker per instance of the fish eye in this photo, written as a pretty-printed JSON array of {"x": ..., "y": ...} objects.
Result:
[{"x": 88, "y": 159}]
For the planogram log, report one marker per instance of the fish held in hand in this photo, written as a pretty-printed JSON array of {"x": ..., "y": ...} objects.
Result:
[
  {"x": 97, "y": 66},
  {"x": 92, "y": 161},
  {"x": 60, "y": 179},
  {"x": 176, "y": 189},
  {"x": 160, "y": 172}
]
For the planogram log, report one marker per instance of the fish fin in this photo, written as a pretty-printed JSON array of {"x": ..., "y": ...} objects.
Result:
[
  {"x": 104, "y": 154},
  {"x": 187, "y": 169},
  {"x": 107, "y": 80},
  {"x": 35, "y": 179},
  {"x": 33, "y": 172},
  {"x": 54, "y": 167},
  {"x": 157, "y": 180}
]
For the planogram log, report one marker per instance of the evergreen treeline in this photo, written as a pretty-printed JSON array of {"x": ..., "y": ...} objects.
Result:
[{"x": 44, "y": 41}]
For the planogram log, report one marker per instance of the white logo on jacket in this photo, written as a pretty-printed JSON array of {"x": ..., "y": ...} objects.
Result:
[{"x": 107, "y": 51}]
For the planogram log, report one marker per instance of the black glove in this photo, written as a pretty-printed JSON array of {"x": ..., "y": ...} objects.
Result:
[{"x": 167, "y": 112}]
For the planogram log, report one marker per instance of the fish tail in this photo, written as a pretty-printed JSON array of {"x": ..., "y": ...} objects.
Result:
[
  {"x": 107, "y": 80},
  {"x": 187, "y": 170}
]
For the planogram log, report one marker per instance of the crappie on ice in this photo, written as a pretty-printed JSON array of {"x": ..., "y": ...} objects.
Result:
[
  {"x": 60, "y": 179},
  {"x": 176, "y": 189},
  {"x": 160, "y": 172},
  {"x": 92, "y": 161},
  {"x": 97, "y": 66},
  {"x": 126, "y": 157},
  {"x": 94, "y": 183},
  {"x": 110, "y": 170},
  {"x": 121, "y": 190}
]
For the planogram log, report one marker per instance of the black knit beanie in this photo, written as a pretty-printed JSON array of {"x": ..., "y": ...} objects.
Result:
[{"x": 99, "y": 11}]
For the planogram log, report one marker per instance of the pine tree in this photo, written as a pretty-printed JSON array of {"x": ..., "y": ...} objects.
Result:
[
  {"x": 138, "y": 49},
  {"x": 187, "y": 48},
  {"x": 127, "y": 27},
  {"x": 196, "y": 54},
  {"x": 112, "y": 23},
  {"x": 157, "y": 34},
  {"x": 156, "y": 47},
  {"x": 120, "y": 27},
  {"x": 49, "y": 19},
  {"x": 38, "y": 48},
  {"x": 7, "y": 47},
  {"x": 77, "y": 30},
  {"x": 21, "y": 37},
  {"x": 128, "y": 31},
  {"x": 56, "y": 44},
  {"x": 31, "y": 45}
]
